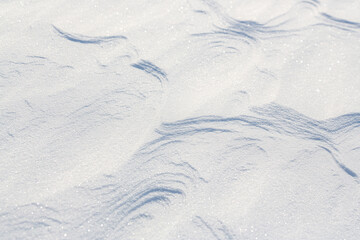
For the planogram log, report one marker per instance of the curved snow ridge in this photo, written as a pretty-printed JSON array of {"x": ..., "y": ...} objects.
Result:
[
  {"x": 342, "y": 166},
  {"x": 111, "y": 207},
  {"x": 273, "y": 120},
  {"x": 141, "y": 64},
  {"x": 286, "y": 24},
  {"x": 78, "y": 38},
  {"x": 30, "y": 221},
  {"x": 292, "y": 122},
  {"x": 245, "y": 31},
  {"x": 78, "y": 96},
  {"x": 216, "y": 230},
  {"x": 168, "y": 178},
  {"x": 151, "y": 69},
  {"x": 228, "y": 32},
  {"x": 340, "y": 23},
  {"x": 118, "y": 211}
]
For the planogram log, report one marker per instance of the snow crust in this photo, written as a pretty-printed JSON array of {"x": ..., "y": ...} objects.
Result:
[{"x": 180, "y": 119}]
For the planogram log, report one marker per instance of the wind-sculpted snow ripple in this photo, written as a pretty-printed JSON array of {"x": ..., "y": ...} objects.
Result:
[
  {"x": 78, "y": 38},
  {"x": 30, "y": 221},
  {"x": 274, "y": 120},
  {"x": 342, "y": 24},
  {"x": 151, "y": 69},
  {"x": 112, "y": 207},
  {"x": 229, "y": 34},
  {"x": 169, "y": 176},
  {"x": 179, "y": 120},
  {"x": 273, "y": 138}
]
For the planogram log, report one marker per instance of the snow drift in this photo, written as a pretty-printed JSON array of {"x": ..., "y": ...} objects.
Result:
[{"x": 180, "y": 119}]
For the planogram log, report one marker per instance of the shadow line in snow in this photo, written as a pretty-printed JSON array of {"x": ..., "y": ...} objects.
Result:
[
  {"x": 151, "y": 69},
  {"x": 78, "y": 38}
]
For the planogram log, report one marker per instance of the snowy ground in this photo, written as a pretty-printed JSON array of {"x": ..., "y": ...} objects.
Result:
[{"x": 180, "y": 119}]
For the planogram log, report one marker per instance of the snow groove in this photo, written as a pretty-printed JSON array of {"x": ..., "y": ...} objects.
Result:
[{"x": 78, "y": 38}]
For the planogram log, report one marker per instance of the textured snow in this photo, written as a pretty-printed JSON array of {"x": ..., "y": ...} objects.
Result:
[{"x": 180, "y": 119}]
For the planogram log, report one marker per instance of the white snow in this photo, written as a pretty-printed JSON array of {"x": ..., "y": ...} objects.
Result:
[{"x": 178, "y": 119}]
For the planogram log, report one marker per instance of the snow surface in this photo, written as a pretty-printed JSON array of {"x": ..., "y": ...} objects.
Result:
[{"x": 180, "y": 119}]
